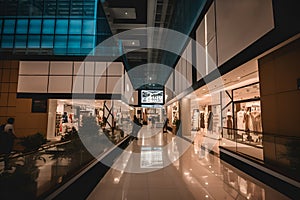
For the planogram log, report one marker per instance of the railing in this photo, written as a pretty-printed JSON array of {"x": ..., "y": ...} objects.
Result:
[
  {"x": 59, "y": 162},
  {"x": 279, "y": 152},
  {"x": 252, "y": 138}
]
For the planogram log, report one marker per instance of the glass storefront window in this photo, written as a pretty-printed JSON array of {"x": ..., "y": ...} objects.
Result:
[
  {"x": 248, "y": 92},
  {"x": 248, "y": 116}
]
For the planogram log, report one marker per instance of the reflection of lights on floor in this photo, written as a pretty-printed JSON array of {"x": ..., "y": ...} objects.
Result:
[
  {"x": 224, "y": 143},
  {"x": 116, "y": 180},
  {"x": 206, "y": 183},
  {"x": 206, "y": 196},
  {"x": 209, "y": 166}
]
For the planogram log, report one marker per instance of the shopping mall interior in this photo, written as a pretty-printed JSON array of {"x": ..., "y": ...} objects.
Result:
[{"x": 149, "y": 99}]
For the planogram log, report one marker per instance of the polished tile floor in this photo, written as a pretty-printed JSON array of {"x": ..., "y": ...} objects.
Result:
[{"x": 163, "y": 166}]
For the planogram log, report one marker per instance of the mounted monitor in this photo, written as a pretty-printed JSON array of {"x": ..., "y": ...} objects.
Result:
[{"x": 151, "y": 97}]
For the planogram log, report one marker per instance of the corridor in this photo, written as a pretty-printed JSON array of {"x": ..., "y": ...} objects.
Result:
[{"x": 162, "y": 166}]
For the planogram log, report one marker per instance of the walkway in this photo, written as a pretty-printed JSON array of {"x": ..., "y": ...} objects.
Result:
[{"x": 163, "y": 166}]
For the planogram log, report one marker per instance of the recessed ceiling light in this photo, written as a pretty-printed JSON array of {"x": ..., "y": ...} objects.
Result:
[
  {"x": 126, "y": 13},
  {"x": 203, "y": 89},
  {"x": 133, "y": 43},
  {"x": 238, "y": 77}
]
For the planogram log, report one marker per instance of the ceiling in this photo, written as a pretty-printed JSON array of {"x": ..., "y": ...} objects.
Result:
[
  {"x": 130, "y": 14},
  {"x": 244, "y": 75}
]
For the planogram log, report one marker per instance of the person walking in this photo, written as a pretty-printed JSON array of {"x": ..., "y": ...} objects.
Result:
[
  {"x": 136, "y": 126},
  {"x": 7, "y": 141}
]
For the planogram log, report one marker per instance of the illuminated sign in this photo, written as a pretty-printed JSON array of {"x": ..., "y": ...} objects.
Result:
[{"x": 152, "y": 96}]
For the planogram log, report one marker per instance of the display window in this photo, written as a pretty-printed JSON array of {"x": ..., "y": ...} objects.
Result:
[
  {"x": 248, "y": 122},
  {"x": 69, "y": 114},
  {"x": 242, "y": 115}
]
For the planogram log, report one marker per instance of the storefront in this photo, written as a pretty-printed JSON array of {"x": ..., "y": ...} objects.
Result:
[
  {"x": 173, "y": 116},
  {"x": 64, "y": 114},
  {"x": 229, "y": 108},
  {"x": 242, "y": 115}
]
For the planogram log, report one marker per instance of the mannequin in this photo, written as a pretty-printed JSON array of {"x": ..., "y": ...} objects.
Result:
[
  {"x": 240, "y": 120},
  {"x": 248, "y": 123},
  {"x": 229, "y": 124},
  {"x": 210, "y": 121},
  {"x": 248, "y": 119},
  {"x": 256, "y": 119},
  {"x": 202, "y": 125}
]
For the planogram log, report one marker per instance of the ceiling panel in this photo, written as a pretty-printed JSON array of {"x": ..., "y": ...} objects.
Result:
[{"x": 123, "y": 13}]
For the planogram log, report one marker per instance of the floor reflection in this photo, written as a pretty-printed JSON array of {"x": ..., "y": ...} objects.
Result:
[{"x": 190, "y": 173}]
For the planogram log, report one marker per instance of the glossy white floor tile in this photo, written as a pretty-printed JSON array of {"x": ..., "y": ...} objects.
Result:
[{"x": 149, "y": 169}]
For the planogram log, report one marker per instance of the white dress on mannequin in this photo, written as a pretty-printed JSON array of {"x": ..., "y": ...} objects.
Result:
[{"x": 240, "y": 121}]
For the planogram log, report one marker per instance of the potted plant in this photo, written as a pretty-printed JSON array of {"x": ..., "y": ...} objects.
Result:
[{"x": 33, "y": 142}]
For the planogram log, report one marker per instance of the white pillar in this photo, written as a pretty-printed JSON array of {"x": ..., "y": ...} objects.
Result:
[
  {"x": 52, "y": 105},
  {"x": 185, "y": 116}
]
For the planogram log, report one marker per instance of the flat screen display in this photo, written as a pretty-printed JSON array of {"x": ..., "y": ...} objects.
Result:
[{"x": 152, "y": 96}]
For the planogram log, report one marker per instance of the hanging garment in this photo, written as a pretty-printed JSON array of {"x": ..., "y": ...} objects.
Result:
[
  {"x": 210, "y": 121},
  {"x": 202, "y": 125}
]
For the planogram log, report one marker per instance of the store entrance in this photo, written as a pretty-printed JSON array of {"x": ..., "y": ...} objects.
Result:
[
  {"x": 65, "y": 114},
  {"x": 151, "y": 117}
]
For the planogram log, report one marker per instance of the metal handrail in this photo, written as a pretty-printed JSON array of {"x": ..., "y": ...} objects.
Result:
[{"x": 263, "y": 133}]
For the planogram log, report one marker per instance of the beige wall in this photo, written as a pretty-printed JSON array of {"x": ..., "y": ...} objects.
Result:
[
  {"x": 280, "y": 99},
  {"x": 8, "y": 89},
  {"x": 185, "y": 116},
  {"x": 240, "y": 23},
  {"x": 26, "y": 123}
]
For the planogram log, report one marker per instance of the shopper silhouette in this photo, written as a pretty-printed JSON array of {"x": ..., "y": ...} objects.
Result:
[
  {"x": 7, "y": 141},
  {"x": 136, "y": 126},
  {"x": 65, "y": 117}
]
